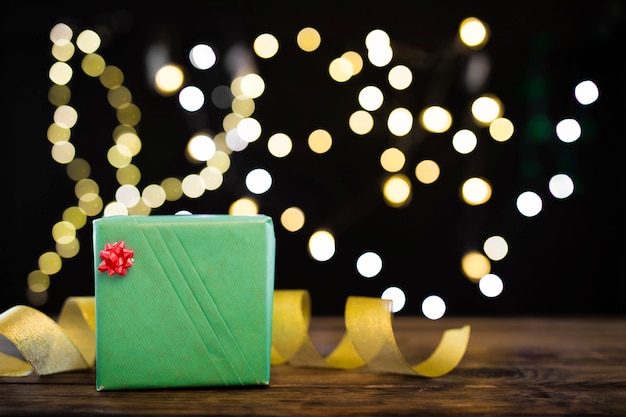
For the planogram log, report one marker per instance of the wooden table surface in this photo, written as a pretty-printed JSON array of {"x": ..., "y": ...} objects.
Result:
[{"x": 516, "y": 366}]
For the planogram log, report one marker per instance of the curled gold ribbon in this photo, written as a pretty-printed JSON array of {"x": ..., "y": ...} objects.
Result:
[{"x": 50, "y": 347}]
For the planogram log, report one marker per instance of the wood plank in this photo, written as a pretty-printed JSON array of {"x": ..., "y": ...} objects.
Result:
[{"x": 514, "y": 366}]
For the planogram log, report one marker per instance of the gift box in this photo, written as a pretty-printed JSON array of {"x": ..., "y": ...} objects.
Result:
[{"x": 183, "y": 300}]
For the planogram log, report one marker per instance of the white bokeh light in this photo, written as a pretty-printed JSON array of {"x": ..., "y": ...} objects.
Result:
[
  {"x": 529, "y": 203},
  {"x": 464, "y": 141},
  {"x": 490, "y": 285},
  {"x": 496, "y": 248},
  {"x": 202, "y": 56},
  {"x": 586, "y": 92},
  {"x": 433, "y": 307},
  {"x": 191, "y": 98},
  {"x": 369, "y": 264},
  {"x": 397, "y": 297},
  {"x": 561, "y": 186},
  {"x": 568, "y": 130},
  {"x": 258, "y": 181}
]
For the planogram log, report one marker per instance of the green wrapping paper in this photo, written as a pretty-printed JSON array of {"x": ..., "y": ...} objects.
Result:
[{"x": 191, "y": 306}]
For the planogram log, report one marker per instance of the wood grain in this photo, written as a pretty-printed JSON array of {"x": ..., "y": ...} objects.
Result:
[{"x": 515, "y": 366}]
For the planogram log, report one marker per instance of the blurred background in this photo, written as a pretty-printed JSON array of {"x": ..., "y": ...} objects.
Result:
[{"x": 457, "y": 157}]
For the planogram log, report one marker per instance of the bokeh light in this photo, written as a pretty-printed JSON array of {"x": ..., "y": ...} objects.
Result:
[
  {"x": 436, "y": 119},
  {"x": 496, "y": 248},
  {"x": 321, "y": 245},
  {"x": 476, "y": 191},
  {"x": 529, "y": 203},
  {"x": 433, "y": 307},
  {"x": 308, "y": 39},
  {"x": 397, "y": 297},
  {"x": 475, "y": 265},
  {"x": 491, "y": 285},
  {"x": 586, "y": 92},
  {"x": 369, "y": 264},
  {"x": 561, "y": 186},
  {"x": 568, "y": 130}
]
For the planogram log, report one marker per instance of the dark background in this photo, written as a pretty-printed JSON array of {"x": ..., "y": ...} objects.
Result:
[{"x": 567, "y": 260}]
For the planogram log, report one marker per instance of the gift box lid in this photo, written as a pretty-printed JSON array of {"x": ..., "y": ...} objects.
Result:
[{"x": 191, "y": 303}]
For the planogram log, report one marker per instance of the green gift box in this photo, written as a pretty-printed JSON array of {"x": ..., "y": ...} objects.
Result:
[{"x": 183, "y": 300}]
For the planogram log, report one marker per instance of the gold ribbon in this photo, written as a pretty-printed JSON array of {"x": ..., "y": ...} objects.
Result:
[{"x": 49, "y": 347}]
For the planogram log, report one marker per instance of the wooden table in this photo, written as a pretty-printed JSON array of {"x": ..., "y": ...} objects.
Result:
[{"x": 513, "y": 367}]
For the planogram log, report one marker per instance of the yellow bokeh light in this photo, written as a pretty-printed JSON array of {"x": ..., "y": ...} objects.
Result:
[
  {"x": 57, "y": 133},
  {"x": 476, "y": 191},
  {"x": 68, "y": 248},
  {"x": 320, "y": 141},
  {"x": 131, "y": 141},
  {"x": 86, "y": 186},
  {"x": 475, "y": 265},
  {"x": 392, "y": 159},
  {"x": 340, "y": 69},
  {"x": 193, "y": 186},
  {"x": 153, "y": 196},
  {"x": 436, "y": 119},
  {"x": 62, "y": 230},
  {"x": 119, "y": 97},
  {"x": 78, "y": 169},
  {"x": 397, "y": 190},
  {"x": 501, "y": 129},
  {"x": 115, "y": 208},
  {"x": 168, "y": 79},
  {"x": 63, "y": 152},
  {"x": 212, "y": 177},
  {"x": 243, "y": 106},
  {"x": 128, "y": 174},
  {"x": 93, "y": 65},
  {"x": 65, "y": 116},
  {"x": 473, "y": 33},
  {"x": 279, "y": 145},
  {"x": 265, "y": 45},
  {"x": 355, "y": 59},
  {"x": 60, "y": 73},
  {"x": 64, "y": 52},
  {"x": 173, "y": 188},
  {"x": 76, "y": 216},
  {"x": 50, "y": 263},
  {"x": 292, "y": 219},
  {"x": 88, "y": 41},
  {"x": 243, "y": 206},
  {"x": 139, "y": 209},
  {"x": 112, "y": 77},
  {"x": 91, "y": 204},
  {"x": 59, "y": 95},
  {"x": 38, "y": 281},
  {"x": 129, "y": 115},
  {"x": 119, "y": 156},
  {"x": 486, "y": 109},
  {"x": 361, "y": 122},
  {"x": 427, "y": 171},
  {"x": 308, "y": 39},
  {"x": 220, "y": 160}
]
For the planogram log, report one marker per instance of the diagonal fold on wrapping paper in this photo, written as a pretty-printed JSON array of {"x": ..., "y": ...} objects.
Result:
[{"x": 49, "y": 347}]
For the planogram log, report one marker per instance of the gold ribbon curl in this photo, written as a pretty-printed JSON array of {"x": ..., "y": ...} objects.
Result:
[{"x": 49, "y": 347}]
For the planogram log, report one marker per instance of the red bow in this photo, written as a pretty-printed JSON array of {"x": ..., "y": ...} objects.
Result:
[{"x": 116, "y": 258}]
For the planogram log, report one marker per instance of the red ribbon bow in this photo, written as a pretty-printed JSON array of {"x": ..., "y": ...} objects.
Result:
[{"x": 116, "y": 259}]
